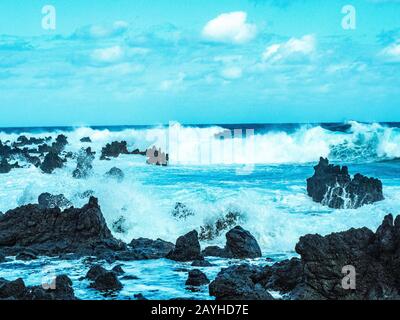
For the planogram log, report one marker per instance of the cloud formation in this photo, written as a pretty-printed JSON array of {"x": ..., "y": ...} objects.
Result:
[
  {"x": 230, "y": 27},
  {"x": 293, "y": 49},
  {"x": 392, "y": 52}
]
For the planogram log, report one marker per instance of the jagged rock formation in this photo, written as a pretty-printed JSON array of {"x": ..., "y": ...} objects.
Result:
[
  {"x": 357, "y": 264},
  {"x": 50, "y": 231},
  {"x": 332, "y": 186},
  {"x": 61, "y": 289}
]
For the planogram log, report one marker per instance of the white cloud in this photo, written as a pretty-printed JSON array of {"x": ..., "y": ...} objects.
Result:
[
  {"x": 173, "y": 84},
  {"x": 293, "y": 48},
  {"x": 392, "y": 52},
  {"x": 108, "y": 55},
  {"x": 230, "y": 27},
  {"x": 232, "y": 73},
  {"x": 102, "y": 31}
]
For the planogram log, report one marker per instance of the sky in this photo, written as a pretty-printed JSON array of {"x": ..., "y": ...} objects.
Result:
[{"x": 132, "y": 62}]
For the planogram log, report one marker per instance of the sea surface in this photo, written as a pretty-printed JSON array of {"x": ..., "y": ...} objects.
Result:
[{"x": 257, "y": 171}]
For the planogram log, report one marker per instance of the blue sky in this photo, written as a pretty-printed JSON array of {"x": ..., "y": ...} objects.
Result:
[{"x": 236, "y": 61}]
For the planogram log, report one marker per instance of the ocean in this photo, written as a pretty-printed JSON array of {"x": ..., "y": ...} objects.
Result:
[{"x": 257, "y": 171}]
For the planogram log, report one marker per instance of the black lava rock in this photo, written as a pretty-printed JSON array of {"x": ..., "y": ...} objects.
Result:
[
  {"x": 197, "y": 278},
  {"x": 187, "y": 248},
  {"x": 332, "y": 186}
]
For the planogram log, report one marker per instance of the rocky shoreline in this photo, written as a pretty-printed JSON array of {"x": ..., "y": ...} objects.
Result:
[
  {"x": 357, "y": 264},
  {"x": 36, "y": 230}
]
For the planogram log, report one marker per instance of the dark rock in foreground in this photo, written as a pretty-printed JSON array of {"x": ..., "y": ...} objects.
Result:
[
  {"x": 357, "y": 264},
  {"x": 151, "y": 249},
  {"x": 240, "y": 244},
  {"x": 107, "y": 281},
  {"x": 197, "y": 278},
  {"x": 187, "y": 248},
  {"x": 60, "y": 289},
  {"x": 52, "y": 232},
  {"x": 118, "y": 270},
  {"x": 332, "y": 186},
  {"x": 239, "y": 283},
  {"x": 103, "y": 280}
]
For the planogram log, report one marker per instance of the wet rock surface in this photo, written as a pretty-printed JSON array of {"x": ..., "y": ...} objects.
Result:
[
  {"x": 240, "y": 244},
  {"x": 151, "y": 249},
  {"x": 187, "y": 248},
  {"x": 51, "y": 162},
  {"x": 104, "y": 280},
  {"x": 50, "y": 231},
  {"x": 333, "y": 186},
  {"x": 115, "y": 173},
  {"x": 114, "y": 150},
  {"x": 197, "y": 278},
  {"x": 60, "y": 289},
  {"x": 239, "y": 283},
  {"x": 357, "y": 264},
  {"x": 49, "y": 201},
  {"x": 84, "y": 164}
]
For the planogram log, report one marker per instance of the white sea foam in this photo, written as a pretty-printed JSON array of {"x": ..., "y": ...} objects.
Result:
[{"x": 276, "y": 211}]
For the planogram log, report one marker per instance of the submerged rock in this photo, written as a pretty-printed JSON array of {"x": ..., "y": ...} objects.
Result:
[
  {"x": 240, "y": 244},
  {"x": 49, "y": 201},
  {"x": 120, "y": 225},
  {"x": 197, "y": 278},
  {"x": 26, "y": 255},
  {"x": 181, "y": 211},
  {"x": 332, "y": 186},
  {"x": 53, "y": 232},
  {"x": 116, "y": 174},
  {"x": 86, "y": 140},
  {"x": 213, "y": 230},
  {"x": 84, "y": 164},
  {"x": 201, "y": 263},
  {"x": 95, "y": 271},
  {"x": 187, "y": 248},
  {"x": 51, "y": 162},
  {"x": 107, "y": 281}
]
